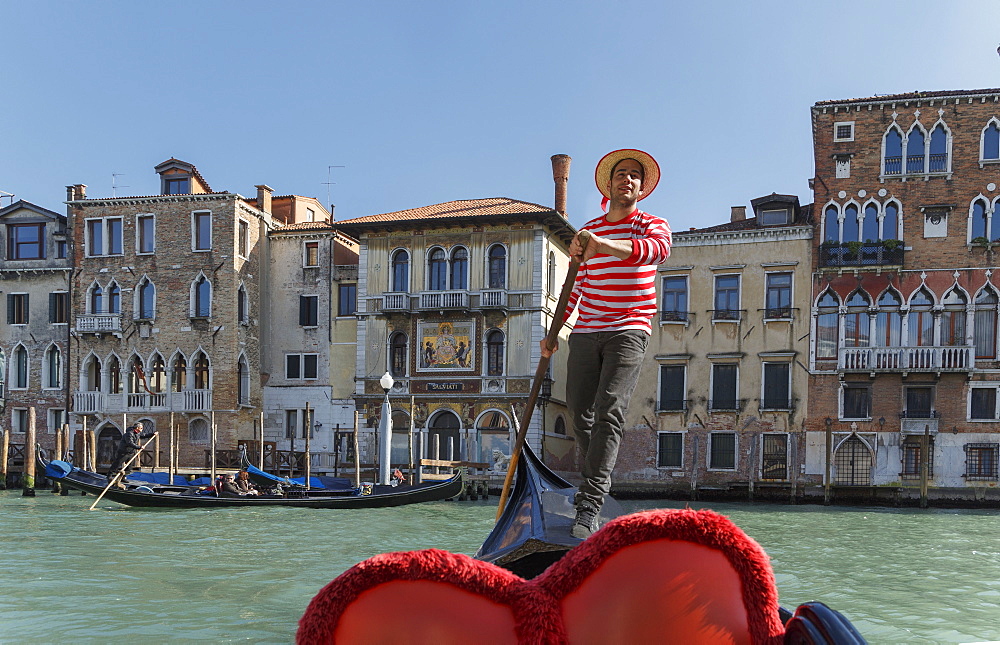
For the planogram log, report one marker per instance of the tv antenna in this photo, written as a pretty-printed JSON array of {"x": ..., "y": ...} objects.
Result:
[
  {"x": 329, "y": 170},
  {"x": 114, "y": 186},
  {"x": 4, "y": 193}
]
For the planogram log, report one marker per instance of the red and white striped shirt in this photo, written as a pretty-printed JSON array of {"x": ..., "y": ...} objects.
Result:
[{"x": 613, "y": 294}]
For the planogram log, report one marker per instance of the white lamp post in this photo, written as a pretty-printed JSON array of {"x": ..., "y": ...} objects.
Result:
[{"x": 385, "y": 432}]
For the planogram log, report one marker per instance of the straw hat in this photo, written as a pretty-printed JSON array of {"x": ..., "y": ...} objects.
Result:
[{"x": 650, "y": 170}]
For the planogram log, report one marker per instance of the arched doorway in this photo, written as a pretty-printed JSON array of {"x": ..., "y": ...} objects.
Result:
[
  {"x": 492, "y": 433},
  {"x": 400, "y": 449},
  {"x": 108, "y": 437},
  {"x": 853, "y": 463},
  {"x": 443, "y": 432}
]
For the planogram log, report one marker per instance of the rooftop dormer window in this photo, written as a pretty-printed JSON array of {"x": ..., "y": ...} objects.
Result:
[
  {"x": 777, "y": 217},
  {"x": 176, "y": 186},
  {"x": 26, "y": 241}
]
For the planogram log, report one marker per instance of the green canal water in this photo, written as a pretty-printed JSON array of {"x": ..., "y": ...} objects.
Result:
[{"x": 244, "y": 575}]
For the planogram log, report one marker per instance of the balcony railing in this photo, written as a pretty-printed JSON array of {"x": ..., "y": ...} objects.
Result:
[
  {"x": 444, "y": 300},
  {"x": 101, "y": 323},
  {"x": 957, "y": 358},
  {"x": 727, "y": 315},
  {"x": 726, "y": 405},
  {"x": 493, "y": 299},
  {"x": 674, "y": 316},
  {"x": 395, "y": 302},
  {"x": 875, "y": 254},
  {"x": 91, "y": 402}
]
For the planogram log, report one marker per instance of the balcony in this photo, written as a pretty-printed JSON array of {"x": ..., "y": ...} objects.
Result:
[
  {"x": 99, "y": 323},
  {"x": 90, "y": 402},
  {"x": 852, "y": 254},
  {"x": 493, "y": 299},
  {"x": 441, "y": 300},
  {"x": 395, "y": 302},
  {"x": 958, "y": 358}
]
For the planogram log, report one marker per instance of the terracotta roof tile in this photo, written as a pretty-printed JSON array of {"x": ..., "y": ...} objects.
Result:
[
  {"x": 306, "y": 226},
  {"x": 460, "y": 208},
  {"x": 910, "y": 96}
]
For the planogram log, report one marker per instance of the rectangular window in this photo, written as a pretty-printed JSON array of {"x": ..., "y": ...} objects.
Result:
[
  {"x": 347, "y": 299},
  {"x": 61, "y": 249},
  {"x": 674, "y": 298},
  {"x": 104, "y": 237},
  {"x": 724, "y": 378},
  {"x": 59, "y": 307},
  {"x": 912, "y": 459},
  {"x": 981, "y": 461},
  {"x": 19, "y": 420},
  {"x": 774, "y": 218},
  {"x": 301, "y": 366},
  {"x": 57, "y": 418},
  {"x": 202, "y": 231},
  {"x": 776, "y": 394},
  {"x": 827, "y": 335},
  {"x": 983, "y": 404},
  {"x": 311, "y": 256},
  {"x": 180, "y": 186},
  {"x": 722, "y": 451},
  {"x": 727, "y": 297},
  {"x": 145, "y": 234},
  {"x": 310, "y": 215},
  {"x": 672, "y": 388},
  {"x": 291, "y": 423},
  {"x": 309, "y": 311},
  {"x": 778, "y": 296},
  {"x": 774, "y": 460},
  {"x": 244, "y": 241},
  {"x": 857, "y": 402},
  {"x": 670, "y": 450},
  {"x": 919, "y": 402},
  {"x": 17, "y": 309},
  {"x": 843, "y": 131},
  {"x": 26, "y": 241}
]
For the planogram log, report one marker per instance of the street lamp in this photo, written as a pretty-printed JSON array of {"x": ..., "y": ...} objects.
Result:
[
  {"x": 386, "y": 382},
  {"x": 385, "y": 431}
]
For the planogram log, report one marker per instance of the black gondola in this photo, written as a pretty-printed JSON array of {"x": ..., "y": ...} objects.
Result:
[{"x": 159, "y": 496}]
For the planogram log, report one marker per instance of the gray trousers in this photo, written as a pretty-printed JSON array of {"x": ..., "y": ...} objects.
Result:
[{"x": 603, "y": 370}]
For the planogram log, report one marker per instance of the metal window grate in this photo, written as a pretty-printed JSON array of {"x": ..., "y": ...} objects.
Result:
[{"x": 981, "y": 461}]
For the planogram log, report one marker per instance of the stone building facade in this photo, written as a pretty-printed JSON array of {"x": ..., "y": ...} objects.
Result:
[
  {"x": 905, "y": 292},
  {"x": 453, "y": 300},
  {"x": 35, "y": 269},
  {"x": 722, "y": 398}
]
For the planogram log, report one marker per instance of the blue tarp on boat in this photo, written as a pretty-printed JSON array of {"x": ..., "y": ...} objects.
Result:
[
  {"x": 56, "y": 469},
  {"x": 316, "y": 481},
  {"x": 158, "y": 478}
]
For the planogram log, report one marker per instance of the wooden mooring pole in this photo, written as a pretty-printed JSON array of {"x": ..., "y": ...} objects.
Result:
[
  {"x": 4, "y": 455},
  {"x": 28, "y": 478},
  {"x": 357, "y": 457},
  {"x": 925, "y": 444}
]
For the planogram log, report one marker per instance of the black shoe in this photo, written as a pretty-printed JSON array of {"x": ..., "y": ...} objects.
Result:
[{"x": 585, "y": 522}]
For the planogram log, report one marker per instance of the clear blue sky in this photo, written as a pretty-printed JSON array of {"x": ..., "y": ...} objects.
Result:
[{"x": 427, "y": 102}]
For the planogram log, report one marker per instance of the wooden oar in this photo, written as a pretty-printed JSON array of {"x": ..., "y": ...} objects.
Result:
[
  {"x": 558, "y": 317},
  {"x": 118, "y": 474}
]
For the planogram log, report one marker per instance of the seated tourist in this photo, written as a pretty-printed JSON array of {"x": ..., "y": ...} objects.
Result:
[{"x": 244, "y": 485}]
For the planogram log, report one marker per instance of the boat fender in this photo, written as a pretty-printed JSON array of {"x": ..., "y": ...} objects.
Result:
[
  {"x": 144, "y": 489},
  {"x": 367, "y": 489}
]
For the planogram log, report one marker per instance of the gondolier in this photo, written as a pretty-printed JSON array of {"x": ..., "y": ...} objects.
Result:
[
  {"x": 127, "y": 448},
  {"x": 615, "y": 295}
]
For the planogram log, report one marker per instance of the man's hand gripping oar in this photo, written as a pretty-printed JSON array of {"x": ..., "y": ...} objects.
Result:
[{"x": 551, "y": 341}]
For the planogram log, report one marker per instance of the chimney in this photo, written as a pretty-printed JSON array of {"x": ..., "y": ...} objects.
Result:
[
  {"x": 560, "y": 175},
  {"x": 739, "y": 213},
  {"x": 74, "y": 192},
  {"x": 264, "y": 197},
  {"x": 333, "y": 207}
]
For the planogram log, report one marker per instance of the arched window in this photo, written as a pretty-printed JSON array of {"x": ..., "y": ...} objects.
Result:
[
  {"x": 856, "y": 320},
  {"x": 114, "y": 367},
  {"x": 852, "y": 227},
  {"x": 938, "y": 159},
  {"x": 460, "y": 268},
  {"x": 493, "y": 433},
  {"x": 53, "y": 367},
  {"x": 892, "y": 162},
  {"x": 400, "y": 271},
  {"x": 890, "y": 222},
  {"x": 242, "y": 305},
  {"x": 494, "y": 353},
  {"x": 243, "y": 381},
  {"x": 437, "y": 270},
  {"x": 179, "y": 374},
  {"x": 158, "y": 375},
  {"x": 442, "y": 437},
  {"x": 831, "y": 224},
  {"x": 96, "y": 299},
  {"x": 198, "y": 431},
  {"x": 888, "y": 320},
  {"x": 497, "y": 267},
  {"x": 920, "y": 320},
  {"x": 202, "y": 379},
  {"x": 991, "y": 140},
  {"x": 979, "y": 223},
  {"x": 560, "y": 427},
  {"x": 114, "y": 298},
  {"x": 201, "y": 302},
  {"x": 915, "y": 162},
  {"x": 92, "y": 374},
  {"x": 146, "y": 300},
  {"x": 107, "y": 443},
  {"x": 136, "y": 376},
  {"x": 827, "y": 334},
  {"x": 985, "y": 323},
  {"x": 20, "y": 368},
  {"x": 398, "y": 354},
  {"x": 869, "y": 229},
  {"x": 953, "y": 317}
]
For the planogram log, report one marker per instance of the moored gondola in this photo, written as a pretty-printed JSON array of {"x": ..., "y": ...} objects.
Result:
[{"x": 157, "y": 496}]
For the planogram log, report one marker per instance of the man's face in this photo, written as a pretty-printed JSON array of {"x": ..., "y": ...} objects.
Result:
[
  {"x": 625, "y": 185},
  {"x": 138, "y": 427}
]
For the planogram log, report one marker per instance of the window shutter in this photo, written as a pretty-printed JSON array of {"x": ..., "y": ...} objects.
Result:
[
  {"x": 52, "y": 307},
  {"x": 10, "y": 309},
  {"x": 303, "y": 306}
]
